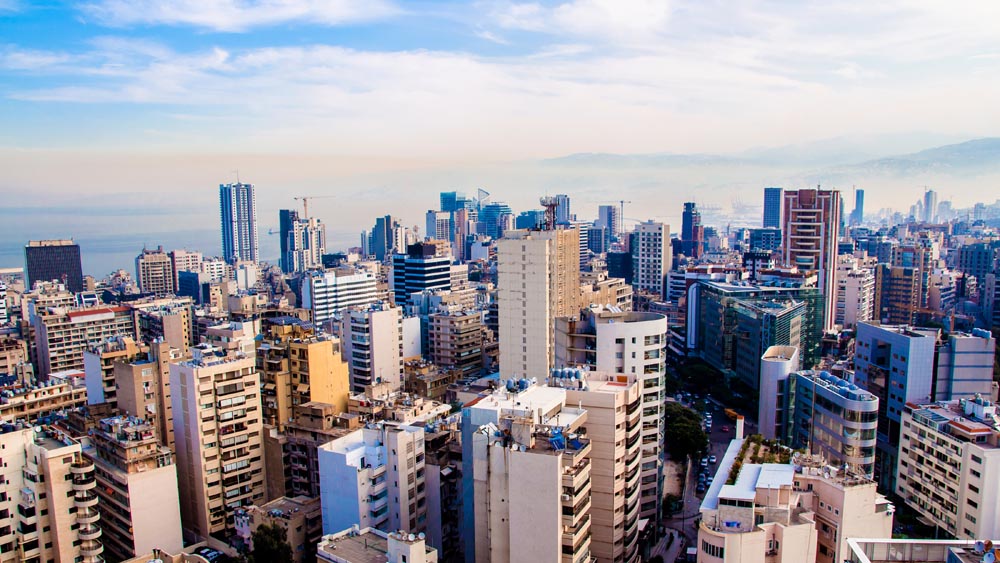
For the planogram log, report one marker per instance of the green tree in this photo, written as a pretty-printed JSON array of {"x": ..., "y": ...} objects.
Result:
[
  {"x": 682, "y": 432},
  {"x": 270, "y": 545}
]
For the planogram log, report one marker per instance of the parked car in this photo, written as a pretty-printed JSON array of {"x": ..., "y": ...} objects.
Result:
[
  {"x": 701, "y": 488},
  {"x": 708, "y": 482},
  {"x": 712, "y": 459},
  {"x": 704, "y": 462}
]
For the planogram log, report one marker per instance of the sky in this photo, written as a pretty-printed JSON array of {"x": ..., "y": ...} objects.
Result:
[{"x": 134, "y": 105}]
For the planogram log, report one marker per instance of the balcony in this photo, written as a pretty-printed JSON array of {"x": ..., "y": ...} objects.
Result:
[
  {"x": 88, "y": 516},
  {"x": 81, "y": 484},
  {"x": 573, "y": 476},
  {"x": 92, "y": 549},
  {"x": 89, "y": 532},
  {"x": 572, "y": 535},
  {"x": 81, "y": 467},
  {"x": 85, "y": 500}
]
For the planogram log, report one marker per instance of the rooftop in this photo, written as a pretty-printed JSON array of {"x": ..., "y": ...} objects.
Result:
[{"x": 364, "y": 546}]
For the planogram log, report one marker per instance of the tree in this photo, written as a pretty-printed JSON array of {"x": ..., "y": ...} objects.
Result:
[
  {"x": 682, "y": 431},
  {"x": 270, "y": 545}
]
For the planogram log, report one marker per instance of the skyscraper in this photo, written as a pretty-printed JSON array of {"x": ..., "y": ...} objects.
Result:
[
  {"x": 930, "y": 206},
  {"x": 563, "y": 214},
  {"x": 286, "y": 218},
  {"x": 305, "y": 246},
  {"x": 651, "y": 257},
  {"x": 155, "y": 272},
  {"x": 59, "y": 260},
  {"x": 772, "y": 208},
  {"x": 238, "y": 206},
  {"x": 811, "y": 225},
  {"x": 858, "y": 216},
  {"x": 438, "y": 225},
  {"x": 609, "y": 217},
  {"x": 382, "y": 238},
  {"x": 692, "y": 233}
]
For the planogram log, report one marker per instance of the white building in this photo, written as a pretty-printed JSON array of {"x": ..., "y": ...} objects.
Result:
[
  {"x": 374, "y": 344},
  {"x": 652, "y": 256},
  {"x": 855, "y": 292},
  {"x": 438, "y": 225},
  {"x": 328, "y": 293},
  {"x": 306, "y": 245},
  {"x": 360, "y": 545},
  {"x": 776, "y": 365}
]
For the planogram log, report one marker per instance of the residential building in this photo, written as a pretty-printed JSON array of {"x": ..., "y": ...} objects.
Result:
[
  {"x": 99, "y": 365},
  {"x": 143, "y": 388},
  {"x": 776, "y": 366},
  {"x": 217, "y": 432},
  {"x": 28, "y": 402},
  {"x": 170, "y": 320},
  {"x": 538, "y": 279},
  {"x": 767, "y": 239},
  {"x": 155, "y": 272},
  {"x": 53, "y": 260},
  {"x": 652, "y": 257},
  {"x": 438, "y": 225},
  {"x": 527, "y": 476},
  {"x": 184, "y": 261},
  {"x": 855, "y": 297},
  {"x": 456, "y": 341},
  {"x": 238, "y": 210},
  {"x": 772, "y": 208},
  {"x": 47, "y": 498},
  {"x": 811, "y": 229},
  {"x": 423, "y": 267},
  {"x": 834, "y": 418},
  {"x": 616, "y": 342},
  {"x": 362, "y": 545},
  {"x": 374, "y": 477},
  {"x": 63, "y": 334},
  {"x": 949, "y": 465},
  {"x": 328, "y": 293},
  {"x": 137, "y": 488},
  {"x": 305, "y": 246},
  {"x": 373, "y": 345},
  {"x": 899, "y": 294},
  {"x": 299, "y": 517}
]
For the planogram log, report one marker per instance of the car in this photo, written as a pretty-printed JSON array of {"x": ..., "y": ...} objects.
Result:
[
  {"x": 712, "y": 459},
  {"x": 702, "y": 478},
  {"x": 704, "y": 462},
  {"x": 708, "y": 482},
  {"x": 701, "y": 488}
]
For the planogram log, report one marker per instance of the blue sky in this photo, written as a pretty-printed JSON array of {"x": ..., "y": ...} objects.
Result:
[{"x": 150, "y": 103}]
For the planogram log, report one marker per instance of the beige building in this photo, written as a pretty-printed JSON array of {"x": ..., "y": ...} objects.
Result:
[
  {"x": 652, "y": 257},
  {"x": 99, "y": 365},
  {"x": 613, "y": 404},
  {"x": 217, "y": 433},
  {"x": 538, "y": 279},
  {"x": 169, "y": 319},
  {"x": 62, "y": 391},
  {"x": 456, "y": 341},
  {"x": 62, "y": 334},
  {"x": 531, "y": 477},
  {"x": 155, "y": 272},
  {"x": 137, "y": 488},
  {"x": 371, "y": 545},
  {"x": 810, "y": 230},
  {"x": 300, "y": 517},
  {"x": 299, "y": 366},
  {"x": 598, "y": 289},
  {"x": 47, "y": 494},
  {"x": 144, "y": 388}
]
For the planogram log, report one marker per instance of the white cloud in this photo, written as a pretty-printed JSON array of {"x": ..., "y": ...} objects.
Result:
[
  {"x": 236, "y": 15},
  {"x": 604, "y": 18}
]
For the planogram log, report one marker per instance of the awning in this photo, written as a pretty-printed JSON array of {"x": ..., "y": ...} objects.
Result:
[
  {"x": 302, "y": 388},
  {"x": 269, "y": 387}
]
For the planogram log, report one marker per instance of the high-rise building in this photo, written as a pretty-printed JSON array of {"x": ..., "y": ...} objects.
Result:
[
  {"x": 772, "y": 208},
  {"x": 526, "y": 476},
  {"x": 776, "y": 367},
  {"x": 978, "y": 260},
  {"x": 286, "y": 218},
  {"x": 563, "y": 213},
  {"x": 373, "y": 344},
  {"x": 538, "y": 279},
  {"x": 858, "y": 215},
  {"x": 633, "y": 344},
  {"x": 305, "y": 246},
  {"x": 217, "y": 432},
  {"x": 492, "y": 219},
  {"x": 834, "y": 418},
  {"x": 899, "y": 294},
  {"x": 423, "y": 267},
  {"x": 930, "y": 207},
  {"x": 382, "y": 239},
  {"x": 327, "y": 293},
  {"x": 47, "y": 497},
  {"x": 855, "y": 298},
  {"x": 652, "y": 258},
  {"x": 99, "y": 365},
  {"x": 54, "y": 260},
  {"x": 184, "y": 261},
  {"x": 438, "y": 225},
  {"x": 155, "y": 272},
  {"x": 453, "y": 201},
  {"x": 137, "y": 488},
  {"x": 238, "y": 204},
  {"x": 768, "y": 239},
  {"x": 609, "y": 217},
  {"x": 143, "y": 388},
  {"x": 692, "y": 233},
  {"x": 63, "y": 334},
  {"x": 456, "y": 341},
  {"x": 810, "y": 227}
]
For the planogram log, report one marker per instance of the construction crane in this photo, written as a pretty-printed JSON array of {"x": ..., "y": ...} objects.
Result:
[
  {"x": 305, "y": 202},
  {"x": 621, "y": 203}
]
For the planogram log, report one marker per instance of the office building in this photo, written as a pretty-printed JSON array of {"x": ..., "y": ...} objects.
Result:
[
  {"x": 616, "y": 342},
  {"x": 563, "y": 213},
  {"x": 238, "y": 205},
  {"x": 526, "y": 476},
  {"x": 493, "y": 218},
  {"x": 137, "y": 488},
  {"x": 453, "y": 201},
  {"x": 835, "y": 419},
  {"x": 538, "y": 279},
  {"x": 357, "y": 545},
  {"x": 949, "y": 466},
  {"x": 438, "y": 225},
  {"x": 978, "y": 259},
  {"x": 373, "y": 345},
  {"x": 217, "y": 433},
  {"x": 609, "y": 217},
  {"x": 930, "y": 207},
  {"x": 964, "y": 365},
  {"x": 53, "y": 260},
  {"x": 802, "y": 511},
  {"x": 810, "y": 228},
  {"x": 382, "y": 239},
  {"x": 286, "y": 219},
  {"x": 768, "y": 239},
  {"x": 374, "y": 477},
  {"x": 855, "y": 297},
  {"x": 327, "y": 293},
  {"x": 652, "y": 257},
  {"x": 143, "y": 388},
  {"x": 899, "y": 294},
  {"x": 155, "y": 272},
  {"x": 305, "y": 246},
  {"x": 298, "y": 366},
  {"x": 62, "y": 334},
  {"x": 47, "y": 498},
  {"x": 425, "y": 266},
  {"x": 692, "y": 233},
  {"x": 858, "y": 215},
  {"x": 776, "y": 366},
  {"x": 772, "y": 208}
]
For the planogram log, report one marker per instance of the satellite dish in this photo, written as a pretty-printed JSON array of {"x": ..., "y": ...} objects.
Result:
[
  {"x": 980, "y": 547},
  {"x": 412, "y": 537},
  {"x": 989, "y": 557}
]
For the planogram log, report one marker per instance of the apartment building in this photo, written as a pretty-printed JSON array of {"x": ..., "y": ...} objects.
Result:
[
  {"x": 949, "y": 465},
  {"x": 456, "y": 341},
  {"x": 300, "y": 517},
  {"x": 47, "y": 495},
  {"x": 652, "y": 258},
  {"x": 217, "y": 431},
  {"x": 373, "y": 345},
  {"x": 327, "y": 293},
  {"x": 169, "y": 319},
  {"x": 143, "y": 388},
  {"x": 810, "y": 226},
  {"x": 855, "y": 297},
  {"x": 27, "y": 403},
  {"x": 374, "y": 477},
  {"x": 776, "y": 366},
  {"x": 617, "y": 342},
  {"x": 99, "y": 367},
  {"x": 527, "y": 476},
  {"x": 299, "y": 366},
  {"x": 63, "y": 334},
  {"x": 364, "y": 545},
  {"x": 137, "y": 488},
  {"x": 155, "y": 272}
]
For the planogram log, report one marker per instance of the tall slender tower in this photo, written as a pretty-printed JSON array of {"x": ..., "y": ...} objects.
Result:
[
  {"x": 692, "y": 233},
  {"x": 772, "y": 207},
  {"x": 810, "y": 229},
  {"x": 238, "y": 207},
  {"x": 858, "y": 216}
]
